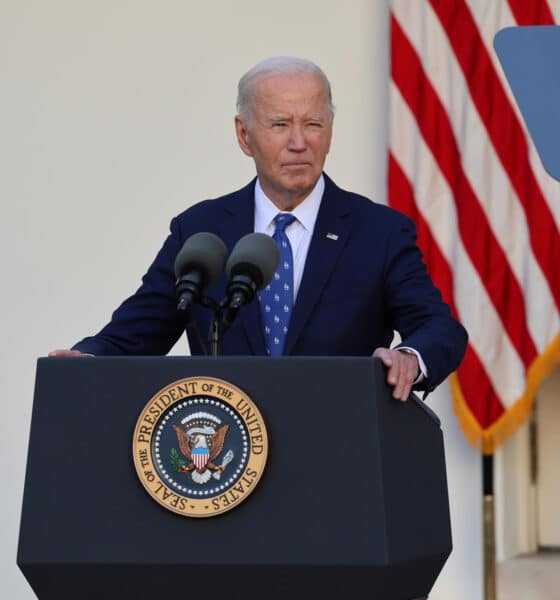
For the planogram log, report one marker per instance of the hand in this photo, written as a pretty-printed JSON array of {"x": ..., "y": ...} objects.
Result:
[
  {"x": 65, "y": 353},
  {"x": 402, "y": 371}
]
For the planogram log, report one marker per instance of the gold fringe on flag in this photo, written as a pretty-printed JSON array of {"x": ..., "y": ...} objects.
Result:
[{"x": 488, "y": 440}]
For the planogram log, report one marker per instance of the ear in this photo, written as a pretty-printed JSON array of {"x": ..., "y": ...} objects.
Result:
[
  {"x": 330, "y": 136},
  {"x": 242, "y": 136}
]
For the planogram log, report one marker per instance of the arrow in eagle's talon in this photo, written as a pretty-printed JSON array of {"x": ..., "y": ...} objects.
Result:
[{"x": 221, "y": 468}]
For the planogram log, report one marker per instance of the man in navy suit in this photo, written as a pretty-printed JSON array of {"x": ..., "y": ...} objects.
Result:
[{"x": 357, "y": 275}]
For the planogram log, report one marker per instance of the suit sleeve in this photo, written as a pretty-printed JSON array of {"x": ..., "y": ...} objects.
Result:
[
  {"x": 418, "y": 312},
  {"x": 147, "y": 322}
]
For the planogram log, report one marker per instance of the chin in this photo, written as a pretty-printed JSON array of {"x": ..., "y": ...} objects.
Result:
[{"x": 300, "y": 183}]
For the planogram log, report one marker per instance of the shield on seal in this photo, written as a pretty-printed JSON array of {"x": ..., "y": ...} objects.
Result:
[{"x": 200, "y": 457}]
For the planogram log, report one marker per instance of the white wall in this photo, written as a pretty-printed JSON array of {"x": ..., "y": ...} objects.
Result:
[
  {"x": 116, "y": 115},
  {"x": 515, "y": 497}
]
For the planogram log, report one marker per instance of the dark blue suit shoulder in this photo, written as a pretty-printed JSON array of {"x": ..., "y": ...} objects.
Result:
[
  {"x": 201, "y": 211},
  {"x": 374, "y": 214}
]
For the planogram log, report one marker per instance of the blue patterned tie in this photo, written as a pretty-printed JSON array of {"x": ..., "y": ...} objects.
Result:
[{"x": 277, "y": 298}]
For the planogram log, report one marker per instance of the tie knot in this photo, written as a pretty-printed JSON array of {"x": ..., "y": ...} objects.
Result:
[{"x": 282, "y": 220}]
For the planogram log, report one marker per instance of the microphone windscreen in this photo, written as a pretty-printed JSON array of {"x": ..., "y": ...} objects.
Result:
[
  {"x": 205, "y": 253},
  {"x": 255, "y": 254}
]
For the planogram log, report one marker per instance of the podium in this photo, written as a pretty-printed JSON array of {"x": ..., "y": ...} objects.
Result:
[{"x": 353, "y": 501}]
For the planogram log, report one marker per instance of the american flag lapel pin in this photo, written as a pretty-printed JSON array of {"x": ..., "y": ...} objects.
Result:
[{"x": 332, "y": 236}]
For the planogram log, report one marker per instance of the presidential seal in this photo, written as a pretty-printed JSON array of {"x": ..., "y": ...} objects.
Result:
[{"x": 200, "y": 446}]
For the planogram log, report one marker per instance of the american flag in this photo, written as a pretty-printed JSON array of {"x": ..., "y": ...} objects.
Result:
[{"x": 462, "y": 165}]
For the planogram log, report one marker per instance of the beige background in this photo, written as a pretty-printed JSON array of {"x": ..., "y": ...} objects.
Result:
[{"x": 115, "y": 116}]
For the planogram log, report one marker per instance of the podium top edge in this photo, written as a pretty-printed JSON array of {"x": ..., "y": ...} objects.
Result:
[{"x": 42, "y": 359}]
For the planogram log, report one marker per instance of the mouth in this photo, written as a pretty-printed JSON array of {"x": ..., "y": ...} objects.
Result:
[{"x": 298, "y": 165}]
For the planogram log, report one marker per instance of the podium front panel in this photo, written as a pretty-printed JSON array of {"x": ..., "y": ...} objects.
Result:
[{"x": 354, "y": 490}]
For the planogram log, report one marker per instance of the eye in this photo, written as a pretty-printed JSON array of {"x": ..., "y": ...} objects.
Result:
[{"x": 278, "y": 124}]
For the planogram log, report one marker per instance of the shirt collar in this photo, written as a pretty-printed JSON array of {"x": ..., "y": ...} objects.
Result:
[{"x": 305, "y": 212}]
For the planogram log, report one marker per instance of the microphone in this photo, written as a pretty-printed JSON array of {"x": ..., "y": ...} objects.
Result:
[
  {"x": 198, "y": 265},
  {"x": 250, "y": 268}
]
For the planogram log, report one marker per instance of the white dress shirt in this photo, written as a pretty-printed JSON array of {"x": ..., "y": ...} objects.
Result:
[{"x": 299, "y": 232}]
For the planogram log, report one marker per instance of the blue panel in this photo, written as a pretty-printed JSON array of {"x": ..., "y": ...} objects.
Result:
[{"x": 530, "y": 57}]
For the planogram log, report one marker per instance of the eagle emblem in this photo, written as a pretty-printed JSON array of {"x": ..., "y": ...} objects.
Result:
[
  {"x": 207, "y": 450},
  {"x": 201, "y": 438}
]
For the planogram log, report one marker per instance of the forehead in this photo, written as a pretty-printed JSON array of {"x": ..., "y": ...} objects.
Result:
[{"x": 282, "y": 92}]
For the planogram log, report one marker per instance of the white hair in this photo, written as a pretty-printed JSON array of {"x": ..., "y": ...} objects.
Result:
[{"x": 284, "y": 65}]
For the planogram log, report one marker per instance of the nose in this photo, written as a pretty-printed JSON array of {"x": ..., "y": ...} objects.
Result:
[{"x": 297, "y": 141}]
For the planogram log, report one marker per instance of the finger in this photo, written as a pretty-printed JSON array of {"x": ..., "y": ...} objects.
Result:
[
  {"x": 406, "y": 379},
  {"x": 63, "y": 352},
  {"x": 403, "y": 387},
  {"x": 399, "y": 391},
  {"x": 385, "y": 355},
  {"x": 394, "y": 372}
]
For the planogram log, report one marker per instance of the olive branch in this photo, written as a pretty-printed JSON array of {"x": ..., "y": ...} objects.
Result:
[{"x": 176, "y": 461}]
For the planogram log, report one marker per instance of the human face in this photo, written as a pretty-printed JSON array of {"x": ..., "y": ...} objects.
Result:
[{"x": 288, "y": 135}]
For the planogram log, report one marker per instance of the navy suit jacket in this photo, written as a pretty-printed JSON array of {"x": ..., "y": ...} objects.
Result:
[{"x": 364, "y": 277}]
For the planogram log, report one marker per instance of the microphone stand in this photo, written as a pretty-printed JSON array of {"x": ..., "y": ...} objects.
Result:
[
  {"x": 224, "y": 315},
  {"x": 215, "y": 335},
  {"x": 242, "y": 291},
  {"x": 216, "y": 329}
]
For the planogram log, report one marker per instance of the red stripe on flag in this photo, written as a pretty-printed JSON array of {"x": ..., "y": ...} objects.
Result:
[
  {"x": 482, "y": 398},
  {"x": 473, "y": 379},
  {"x": 531, "y": 12},
  {"x": 482, "y": 247},
  {"x": 505, "y": 131},
  {"x": 402, "y": 199}
]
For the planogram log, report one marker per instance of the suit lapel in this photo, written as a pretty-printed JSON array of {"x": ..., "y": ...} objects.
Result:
[
  {"x": 239, "y": 221},
  {"x": 329, "y": 238}
]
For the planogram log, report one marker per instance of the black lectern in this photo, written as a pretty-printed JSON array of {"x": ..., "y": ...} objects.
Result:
[{"x": 353, "y": 501}]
